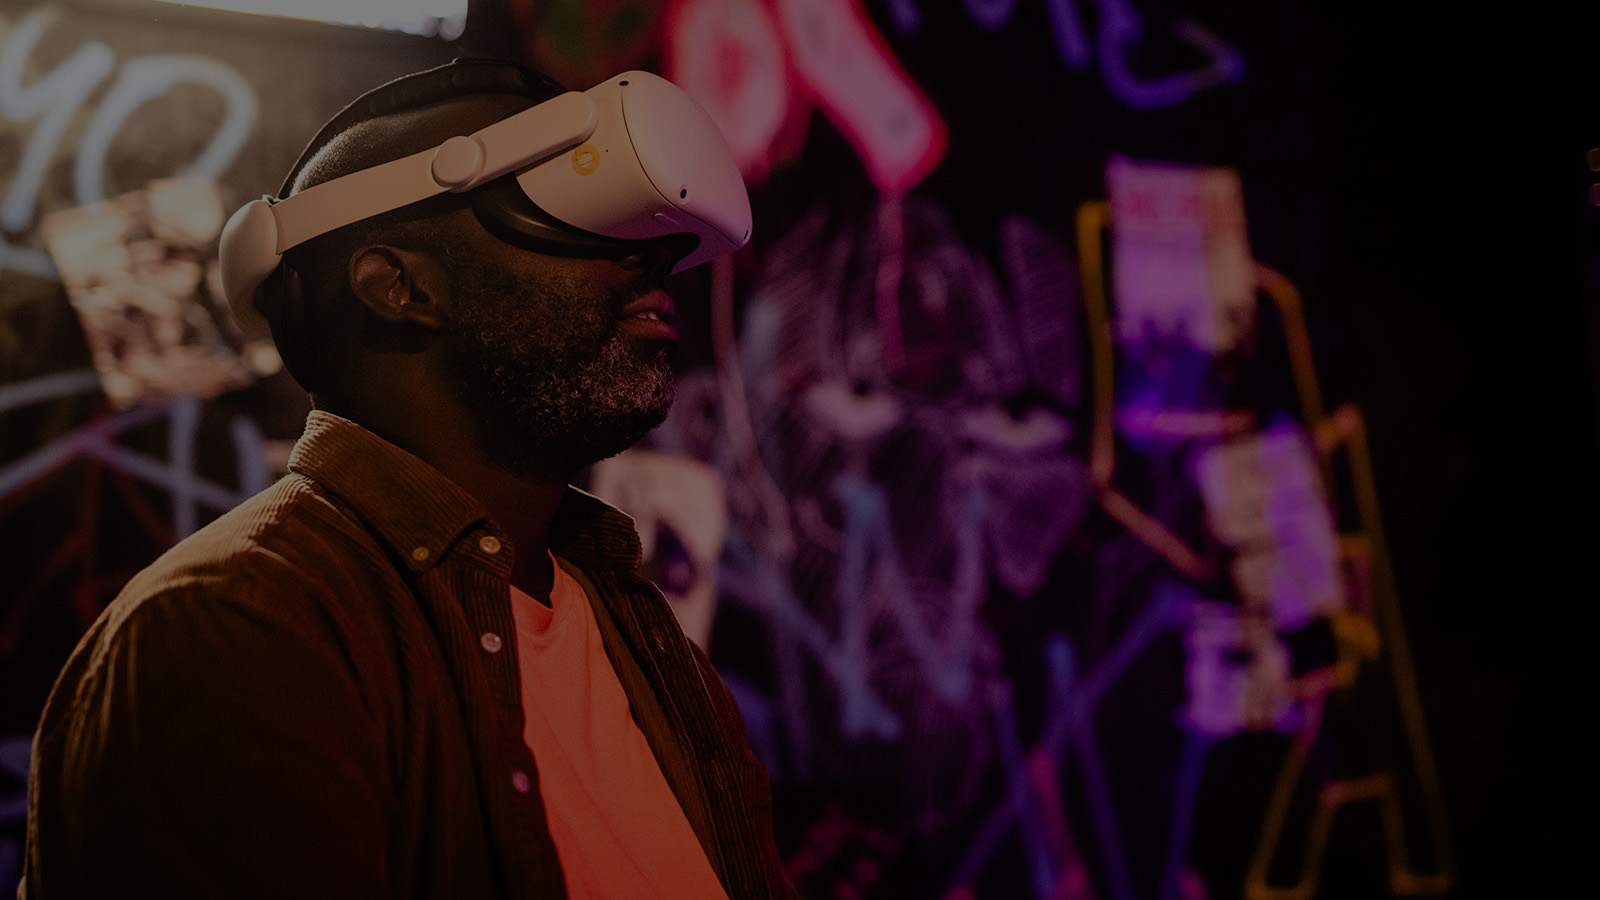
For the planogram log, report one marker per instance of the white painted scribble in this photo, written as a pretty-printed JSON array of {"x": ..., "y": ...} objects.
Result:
[{"x": 54, "y": 101}]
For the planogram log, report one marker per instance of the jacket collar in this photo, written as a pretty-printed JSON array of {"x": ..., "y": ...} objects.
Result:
[{"x": 421, "y": 515}]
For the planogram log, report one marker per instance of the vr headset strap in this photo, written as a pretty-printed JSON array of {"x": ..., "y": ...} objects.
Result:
[{"x": 459, "y": 164}]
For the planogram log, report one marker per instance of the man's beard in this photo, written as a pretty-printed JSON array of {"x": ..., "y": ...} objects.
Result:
[{"x": 550, "y": 379}]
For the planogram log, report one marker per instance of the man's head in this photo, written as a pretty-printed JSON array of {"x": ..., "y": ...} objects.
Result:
[{"x": 559, "y": 360}]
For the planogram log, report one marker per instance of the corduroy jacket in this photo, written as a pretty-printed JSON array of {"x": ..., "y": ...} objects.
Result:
[{"x": 318, "y": 695}]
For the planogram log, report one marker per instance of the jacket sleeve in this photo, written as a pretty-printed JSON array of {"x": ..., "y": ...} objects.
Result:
[{"x": 209, "y": 745}]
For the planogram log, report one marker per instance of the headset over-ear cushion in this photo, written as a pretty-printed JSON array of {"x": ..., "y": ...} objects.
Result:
[
  {"x": 248, "y": 253},
  {"x": 281, "y": 300},
  {"x": 253, "y": 278}
]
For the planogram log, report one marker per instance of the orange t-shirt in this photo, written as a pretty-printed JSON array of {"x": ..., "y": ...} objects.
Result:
[{"x": 619, "y": 831}]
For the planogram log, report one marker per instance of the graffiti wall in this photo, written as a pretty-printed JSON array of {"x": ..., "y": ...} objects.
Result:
[
  {"x": 1046, "y": 572},
  {"x": 127, "y": 418},
  {"x": 1004, "y": 486}
]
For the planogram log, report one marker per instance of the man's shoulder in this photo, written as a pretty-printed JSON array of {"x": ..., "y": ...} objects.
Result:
[{"x": 290, "y": 541}]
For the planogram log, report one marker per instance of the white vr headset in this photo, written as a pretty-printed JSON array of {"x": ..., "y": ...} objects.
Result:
[{"x": 634, "y": 159}]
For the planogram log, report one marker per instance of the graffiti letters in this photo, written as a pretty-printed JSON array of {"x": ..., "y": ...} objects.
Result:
[
  {"x": 1116, "y": 40},
  {"x": 54, "y": 101}
]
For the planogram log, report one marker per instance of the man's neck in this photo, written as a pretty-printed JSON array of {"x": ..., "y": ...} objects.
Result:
[
  {"x": 524, "y": 507},
  {"x": 441, "y": 435}
]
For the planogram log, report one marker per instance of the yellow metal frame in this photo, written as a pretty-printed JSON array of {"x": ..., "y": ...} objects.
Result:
[{"x": 1359, "y": 641}]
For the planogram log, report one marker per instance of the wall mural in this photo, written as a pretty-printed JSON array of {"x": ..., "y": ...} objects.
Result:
[
  {"x": 1018, "y": 529},
  {"x": 133, "y": 409}
]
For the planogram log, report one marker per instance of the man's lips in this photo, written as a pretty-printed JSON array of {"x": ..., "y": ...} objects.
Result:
[{"x": 651, "y": 316}]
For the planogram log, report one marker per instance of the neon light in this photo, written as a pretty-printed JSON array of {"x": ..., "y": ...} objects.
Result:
[
  {"x": 730, "y": 56},
  {"x": 1070, "y": 728},
  {"x": 48, "y": 387},
  {"x": 864, "y": 91}
]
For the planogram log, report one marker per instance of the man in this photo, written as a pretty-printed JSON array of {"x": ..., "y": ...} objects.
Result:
[{"x": 420, "y": 665}]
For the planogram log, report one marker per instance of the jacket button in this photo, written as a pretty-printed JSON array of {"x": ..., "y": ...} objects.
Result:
[
  {"x": 489, "y": 544},
  {"x": 521, "y": 781},
  {"x": 490, "y": 641}
]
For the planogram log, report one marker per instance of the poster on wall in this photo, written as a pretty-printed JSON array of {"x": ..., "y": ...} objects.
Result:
[{"x": 141, "y": 272}]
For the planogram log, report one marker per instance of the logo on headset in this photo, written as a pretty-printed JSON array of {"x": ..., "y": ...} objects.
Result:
[{"x": 585, "y": 159}]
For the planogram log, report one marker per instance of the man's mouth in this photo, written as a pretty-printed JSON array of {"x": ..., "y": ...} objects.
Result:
[{"x": 653, "y": 313}]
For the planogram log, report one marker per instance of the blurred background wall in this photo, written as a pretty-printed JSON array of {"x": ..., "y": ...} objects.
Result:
[{"x": 1147, "y": 450}]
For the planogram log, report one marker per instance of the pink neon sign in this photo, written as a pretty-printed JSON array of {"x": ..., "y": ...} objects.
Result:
[{"x": 758, "y": 66}]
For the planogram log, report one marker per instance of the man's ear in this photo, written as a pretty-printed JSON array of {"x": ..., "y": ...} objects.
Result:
[{"x": 403, "y": 287}]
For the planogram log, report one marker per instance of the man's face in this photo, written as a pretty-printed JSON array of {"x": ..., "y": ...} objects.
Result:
[{"x": 563, "y": 361}]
